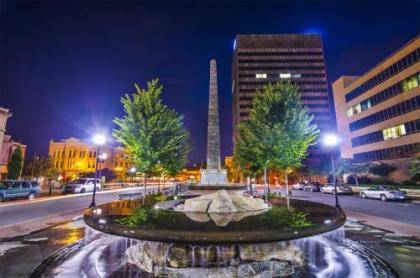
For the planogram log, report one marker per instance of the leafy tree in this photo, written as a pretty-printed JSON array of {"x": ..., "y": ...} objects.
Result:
[
  {"x": 350, "y": 167},
  {"x": 39, "y": 166},
  {"x": 415, "y": 167},
  {"x": 381, "y": 169},
  {"x": 152, "y": 133},
  {"x": 14, "y": 167},
  {"x": 279, "y": 130}
]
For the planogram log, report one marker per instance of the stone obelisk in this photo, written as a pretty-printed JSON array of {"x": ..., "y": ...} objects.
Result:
[{"x": 213, "y": 174}]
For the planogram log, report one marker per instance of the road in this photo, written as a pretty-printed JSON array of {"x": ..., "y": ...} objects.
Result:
[
  {"x": 19, "y": 211},
  {"x": 16, "y": 212},
  {"x": 406, "y": 212}
]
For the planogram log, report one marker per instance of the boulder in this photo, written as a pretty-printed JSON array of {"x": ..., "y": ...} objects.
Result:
[
  {"x": 197, "y": 205},
  {"x": 178, "y": 256},
  {"x": 265, "y": 269},
  {"x": 257, "y": 269},
  {"x": 221, "y": 202},
  {"x": 198, "y": 216},
  {"x": 272, "y": 251},
  {"x": 146, "y": 254}
]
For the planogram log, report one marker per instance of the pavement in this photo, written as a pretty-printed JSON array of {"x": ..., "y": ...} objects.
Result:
[
  {"x": 399, "y": 217},
  {"x": 21, "y": 217}
]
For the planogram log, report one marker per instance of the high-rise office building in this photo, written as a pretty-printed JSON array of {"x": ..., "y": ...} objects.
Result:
[
  {"x": 262, "y": 59},
  {"x": 378, "y": 113}
]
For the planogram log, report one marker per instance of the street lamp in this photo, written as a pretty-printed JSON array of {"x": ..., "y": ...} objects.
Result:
[
  {"x": 102, "y": 158},
  {"x": 331, "y": 140},
  {"x": 98, "y": 140}
]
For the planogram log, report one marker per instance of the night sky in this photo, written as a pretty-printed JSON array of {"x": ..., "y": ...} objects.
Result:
[{"x": 64, "y": 65}]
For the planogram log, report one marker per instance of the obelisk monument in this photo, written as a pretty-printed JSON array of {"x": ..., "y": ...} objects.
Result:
[{"x": 213, "y": 174}]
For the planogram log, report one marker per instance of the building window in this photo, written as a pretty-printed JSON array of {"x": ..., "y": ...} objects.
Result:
[
  {"x": 410, "y": 83},
  {"x": 394, "y": 132},
  {"x": 261, "y": 75},
  {"x": 285, "y": 75},
  {"x": 296, "y": 75},
  {"x": 395, "y": 68}
]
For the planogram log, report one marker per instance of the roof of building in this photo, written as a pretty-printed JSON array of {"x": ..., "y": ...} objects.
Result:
[{"x": 278, "y": 41}]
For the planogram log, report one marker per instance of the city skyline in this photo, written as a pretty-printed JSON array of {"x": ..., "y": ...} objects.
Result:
[{"x": 70, "y": 90}]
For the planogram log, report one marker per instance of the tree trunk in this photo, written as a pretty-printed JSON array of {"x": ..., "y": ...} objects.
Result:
[
  {"x": 144, "y": 187},
  {"x": 49, "y": 188},
  {"x": 265, "y": 183},
  {"x": 159, "y": 185},
  {"x": 356, "y": 180},
  {"x": 268, "y": 182},
  {"x": 287, "y": 188}
]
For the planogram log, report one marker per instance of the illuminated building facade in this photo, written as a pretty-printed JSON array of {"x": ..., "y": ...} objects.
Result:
[
  {"x": 73, "y": 156},
  {"x": 377, "y": 113},
  {"x": 7, "y": 145},
  {"x": 262, "y": 59}
]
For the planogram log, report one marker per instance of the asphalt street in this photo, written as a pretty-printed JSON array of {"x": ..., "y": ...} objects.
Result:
[
  {"x": 19, "y": 211},
  {"x": 406, "y": 212},
  {"x": 15, "y": 212}
]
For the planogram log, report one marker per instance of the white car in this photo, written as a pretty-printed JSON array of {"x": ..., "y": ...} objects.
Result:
[
  {"x": 298, "y": 186},
  {"x": 81, "y": 186},
  {"x": 384, "y": 193},
  {"x": 341, "y": 189}
]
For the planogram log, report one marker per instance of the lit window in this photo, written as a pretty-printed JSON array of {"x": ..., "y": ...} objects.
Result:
[
  {"x": 261, "y": 75},
  {"x": 296, "y": 75},
  {"x": 350, "y": 112},
  {"x": 394, "y": 132},
  {"x": 285, "y": 75},
  {"x": 410, "y": 83}
]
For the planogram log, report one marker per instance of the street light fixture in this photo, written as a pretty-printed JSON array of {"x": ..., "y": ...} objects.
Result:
[
  {"x": 98, "y": 140},
  {"x": 331, "y": 141}
]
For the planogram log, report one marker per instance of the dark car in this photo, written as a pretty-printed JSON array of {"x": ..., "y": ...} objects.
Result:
[
  {"x": 313, "y": 187},
  {"x": 15, "y": 189}
]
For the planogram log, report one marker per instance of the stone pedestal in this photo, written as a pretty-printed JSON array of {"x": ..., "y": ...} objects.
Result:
[{"x": 213, "y": 177}]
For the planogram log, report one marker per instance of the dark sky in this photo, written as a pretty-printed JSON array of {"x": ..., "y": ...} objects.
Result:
[{"x": 65, "y": 64}]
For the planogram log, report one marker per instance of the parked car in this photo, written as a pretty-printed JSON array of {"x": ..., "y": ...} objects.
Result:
[
  {"x": 81, "y": 186},
  {"x": 14, "y": 189},
  {"x": 384, "y": 193},
  {"x": 341, "y": 189},
  {"x": 299, "y": 186},
  {"x": 313, "y": 187}
]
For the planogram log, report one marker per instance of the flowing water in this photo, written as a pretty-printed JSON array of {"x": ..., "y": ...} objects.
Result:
[{"x": 327, "y": 255}]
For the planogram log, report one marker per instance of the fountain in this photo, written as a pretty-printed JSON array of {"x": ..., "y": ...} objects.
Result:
[{"x": 215, "y": 230}]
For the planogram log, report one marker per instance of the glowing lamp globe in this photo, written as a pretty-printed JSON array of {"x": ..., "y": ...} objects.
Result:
[
  {"x": 99, "y": 139},
  {"x": 330, "y": 140}
]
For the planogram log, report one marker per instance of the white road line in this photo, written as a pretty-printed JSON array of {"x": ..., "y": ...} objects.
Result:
[{"x": 26, "y": 202}]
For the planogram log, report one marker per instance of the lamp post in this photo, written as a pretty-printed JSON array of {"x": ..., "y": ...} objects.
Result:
[
  {"x": 102, "y": 159},
  {"x": 98, "y": 140},
  {"x": 331, "y": 140},
  {"x": 133, "y": 172}
]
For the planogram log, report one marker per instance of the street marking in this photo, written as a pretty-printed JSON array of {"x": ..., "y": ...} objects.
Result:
[{"x": 27, "y": 202}]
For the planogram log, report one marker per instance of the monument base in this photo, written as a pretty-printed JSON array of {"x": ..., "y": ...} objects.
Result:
[{"x": 213, "y": 177}]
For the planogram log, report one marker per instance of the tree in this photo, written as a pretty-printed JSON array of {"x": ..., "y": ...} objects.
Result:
[
  {"x": 152, "y": 133},
  {"x": 14, "y": 167},
  {"x": 415, "y": 166},
  {"x": 278, "y": 133},
  {"x": 381, "y": 169},
  {"x": 39, "y": 166},
  {"x": 350, "y": 167}
]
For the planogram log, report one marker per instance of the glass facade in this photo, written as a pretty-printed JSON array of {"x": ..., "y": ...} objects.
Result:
[
  {"x": 388, "y": 153},
  {"x": 383, "y": 115},
  {"x": 392, "y": 70}
]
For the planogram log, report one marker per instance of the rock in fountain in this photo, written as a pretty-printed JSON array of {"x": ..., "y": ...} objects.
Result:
[
  {"x": 224, "y": 201},
  {"x": 222, "y": 207}
]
